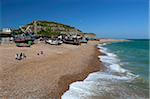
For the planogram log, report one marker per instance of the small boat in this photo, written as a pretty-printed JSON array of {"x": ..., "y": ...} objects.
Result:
[
  {"x": 54, "y": 42},
  {"x": 83, "y": 41},
  {"x": 19, "y": 40},
  {"x": 24, "y": 38},
  {"x": 74, "y": 42},
  {"x": 22, "y": 45}
]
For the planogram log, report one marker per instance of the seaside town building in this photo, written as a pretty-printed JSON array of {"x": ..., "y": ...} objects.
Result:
[{"x": 5, "y": 36}]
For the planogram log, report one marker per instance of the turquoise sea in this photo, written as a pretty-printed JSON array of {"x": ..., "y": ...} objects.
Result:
[
  {"x": 126, "y": 75},
  {"x": 133, "y": 55}
]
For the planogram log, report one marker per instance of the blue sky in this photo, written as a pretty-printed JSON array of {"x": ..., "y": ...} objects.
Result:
[{"x": 106, "y": 18}]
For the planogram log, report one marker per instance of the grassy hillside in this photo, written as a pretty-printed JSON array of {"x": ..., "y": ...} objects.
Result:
[{"x": 45, "y": 28}]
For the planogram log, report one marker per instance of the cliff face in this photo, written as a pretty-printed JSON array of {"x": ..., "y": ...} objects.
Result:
[
  {"x": 90, "y": 35},
  {"x": 38, "y": 26}
]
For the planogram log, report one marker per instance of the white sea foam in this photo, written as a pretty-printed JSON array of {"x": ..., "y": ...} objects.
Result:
[
  {"x": 100, "y": 83},
  {"x": 117, "y": 68},
  {"x": 110, "y": 60},
  {"x": 105, "y": 76},
  {"x": 96, "y": 84},
  {"x": 99, "y": 45}
]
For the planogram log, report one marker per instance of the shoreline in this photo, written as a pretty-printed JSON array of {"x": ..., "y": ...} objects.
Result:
[
  {"x": 94, "y": 66},
  {"x": 97, "y": 84},
  {"x": 47, "y": 76},
  {"x": 112, "y": 40}
]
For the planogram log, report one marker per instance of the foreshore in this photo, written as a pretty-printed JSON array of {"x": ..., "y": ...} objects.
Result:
[
  {"x": 112, "y": 40},
  {"x": 48, "y": 75}
]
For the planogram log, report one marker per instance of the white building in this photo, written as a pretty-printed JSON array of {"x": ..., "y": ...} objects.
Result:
[
  {"x": 6, "y": 30},
  {"x": 5, "y": 36}
]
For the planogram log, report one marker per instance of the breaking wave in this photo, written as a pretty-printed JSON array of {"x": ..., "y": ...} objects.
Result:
[{"x": 109, "y": 84}]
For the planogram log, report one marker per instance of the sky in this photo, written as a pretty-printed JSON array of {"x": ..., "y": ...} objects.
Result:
[{"x": 107, "y": 18}]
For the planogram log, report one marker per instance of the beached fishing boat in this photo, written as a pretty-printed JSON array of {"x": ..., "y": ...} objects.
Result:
[
  {"x": 23, "y": 38},
  {"x": 74, "y": 42},
  {"x": 54, "y": 42},
  {"x": 19, "y": 40},
  {"x": 83, "y": 40},
  {"x": 22, "y": 45}
]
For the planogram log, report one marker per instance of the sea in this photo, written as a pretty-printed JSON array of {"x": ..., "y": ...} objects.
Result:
[{"x": 126, "y": 75}]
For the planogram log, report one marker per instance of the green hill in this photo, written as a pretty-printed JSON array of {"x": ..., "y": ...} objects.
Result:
[{"x": 45, "y": 28}]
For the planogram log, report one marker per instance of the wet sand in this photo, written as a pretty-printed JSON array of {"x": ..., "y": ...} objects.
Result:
[{"x": 45, "y": 76}]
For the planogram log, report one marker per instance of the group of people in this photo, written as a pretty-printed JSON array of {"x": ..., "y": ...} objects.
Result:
[
  {"x": 20, "y": 56},
  {"x": 23, "y": 56},
  {"x": 41, "y": 52}
]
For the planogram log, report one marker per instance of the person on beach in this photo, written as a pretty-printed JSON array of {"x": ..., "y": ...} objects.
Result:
[
  {"x": 21, "y": 56},
  {"x": 16, "y": 56},
  {"x": 24, "y": 56},
  {"x": 38, "y": 54},
  {"x": 41, "y": 52}
]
